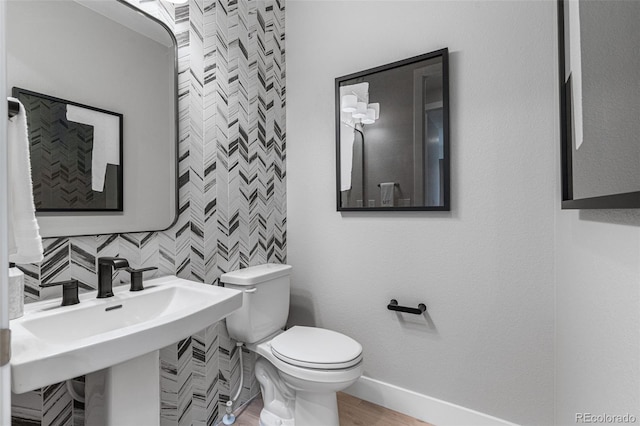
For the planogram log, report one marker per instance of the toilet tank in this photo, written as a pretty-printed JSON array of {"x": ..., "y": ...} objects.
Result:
[{"x": 265, "y": 301}]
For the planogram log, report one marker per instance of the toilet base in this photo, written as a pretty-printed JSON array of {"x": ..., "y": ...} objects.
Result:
[
  {"x": 267, "y": 418},
  {"x": 289, "y": 401},
  {"x": 278, "y": 400},
  {"x": 316, "y": 409},
  {"x": 311, "y": 409}
]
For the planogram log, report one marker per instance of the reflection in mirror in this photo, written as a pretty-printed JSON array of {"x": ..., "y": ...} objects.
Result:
[
  {"x": 109, "y": 55},
  {"x": 600, "y": 103},
  {"x": 76, "y": 154},
  {"x": 392, "y": 136}
]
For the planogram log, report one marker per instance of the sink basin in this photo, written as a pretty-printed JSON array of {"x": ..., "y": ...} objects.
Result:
[{"x": 51, "y": 343}]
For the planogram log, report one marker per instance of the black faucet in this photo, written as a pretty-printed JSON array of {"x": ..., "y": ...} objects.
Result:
[
  {"x": 136, "y": 277},
  {"x": 106, "y": 265},
  {"x": 69, "y": 291}
]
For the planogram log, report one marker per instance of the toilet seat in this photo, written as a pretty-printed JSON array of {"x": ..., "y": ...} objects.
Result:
[{"x": 316, "y": 348}]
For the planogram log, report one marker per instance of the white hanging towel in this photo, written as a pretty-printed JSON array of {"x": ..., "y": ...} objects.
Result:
[
  {"x": 386, "y": 194},
  {"x": 106, "y": 141},
  {"x": 25, "y": 243}
]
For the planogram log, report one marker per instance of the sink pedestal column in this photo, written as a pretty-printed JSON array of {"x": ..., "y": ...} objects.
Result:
[{"x": 127, "y": 394}]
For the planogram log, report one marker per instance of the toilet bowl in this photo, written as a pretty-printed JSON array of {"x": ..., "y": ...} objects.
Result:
[
  {"x": 300, "y": 369},
  {"x": 314, "y": 363}
]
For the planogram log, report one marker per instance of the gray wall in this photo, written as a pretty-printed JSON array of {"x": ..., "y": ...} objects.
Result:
[
  {"x": 485, "y": 270},
  {"x": 597, "y": 313}
]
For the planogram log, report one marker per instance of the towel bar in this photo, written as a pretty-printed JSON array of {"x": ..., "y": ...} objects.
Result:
[
  {"x": 393, "y": 306},
  {"x": 14, "y": 108},
  {"x": 394, "y": 184}
]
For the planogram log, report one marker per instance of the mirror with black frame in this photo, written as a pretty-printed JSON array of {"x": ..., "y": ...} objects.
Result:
[
  {"x": 76, "y": 154},
  {"x": 98, "y": 55},
  {"x": 599, "y": 103},
  {"x": 392, "y": 136}
]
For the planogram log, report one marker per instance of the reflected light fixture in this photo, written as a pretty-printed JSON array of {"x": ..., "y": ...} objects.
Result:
[
  {"x": 177, "y": 1},
  {"x": 361, "y": 110},
  {"x": 370, "y": 117},
  {"x": 373, "y": 113},
  {"x": 376, "y": 108},
  {"x": 349, "y": 103}
]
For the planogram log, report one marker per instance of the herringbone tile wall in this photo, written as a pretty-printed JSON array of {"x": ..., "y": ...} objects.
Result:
[{"x": 232, "y": 208}]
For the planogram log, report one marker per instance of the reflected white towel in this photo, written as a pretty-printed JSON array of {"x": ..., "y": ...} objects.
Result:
[
  {"x": 106, "y": 141},
  {"x": 575, "y": 70},
  {"x": 25, "y": 243},
  {"x": 347, "y": 136},
  {"x": 386, "y": 194},
  {"x": 347, "y": 133}
]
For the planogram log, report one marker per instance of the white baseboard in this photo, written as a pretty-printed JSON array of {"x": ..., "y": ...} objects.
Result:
[{"x": 422, "y": 407}]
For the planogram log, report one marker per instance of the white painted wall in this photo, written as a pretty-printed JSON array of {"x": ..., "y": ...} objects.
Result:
[
  {"x": 598, "y": 313},
  {"x": 485, "y": 270}
]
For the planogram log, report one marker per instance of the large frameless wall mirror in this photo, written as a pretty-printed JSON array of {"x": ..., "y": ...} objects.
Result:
[
  {"x": 111, "y": 56},
  {"x": 392, "y": 136},
  {"x": 600, "y": 103}
]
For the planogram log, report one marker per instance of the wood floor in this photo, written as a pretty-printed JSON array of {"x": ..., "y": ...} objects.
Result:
[{"x": 352, "y": 411}]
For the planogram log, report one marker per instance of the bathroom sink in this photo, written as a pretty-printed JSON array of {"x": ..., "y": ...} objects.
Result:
[{"x": 51, "y": 343}]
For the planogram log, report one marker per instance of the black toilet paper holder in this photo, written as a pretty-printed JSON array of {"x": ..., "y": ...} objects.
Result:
[{"x": 393, "y": 306}]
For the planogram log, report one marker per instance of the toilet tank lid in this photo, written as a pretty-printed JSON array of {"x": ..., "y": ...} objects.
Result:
[{"x": 255, "y": 274}]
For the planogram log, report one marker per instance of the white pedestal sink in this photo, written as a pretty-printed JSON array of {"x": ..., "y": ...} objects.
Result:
[
  {"x": 125, "y": 394},
  {"x": 115, "y": 342}
]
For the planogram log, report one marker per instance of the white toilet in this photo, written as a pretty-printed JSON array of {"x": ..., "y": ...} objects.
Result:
[{"x": 300, "y": 369}]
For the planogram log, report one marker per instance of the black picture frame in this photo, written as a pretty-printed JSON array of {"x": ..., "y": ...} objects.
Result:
[
  {"x": 608, "y": 201},
  {"x": 113, "y": 172},
  {"x": 445, "y": 162}
]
